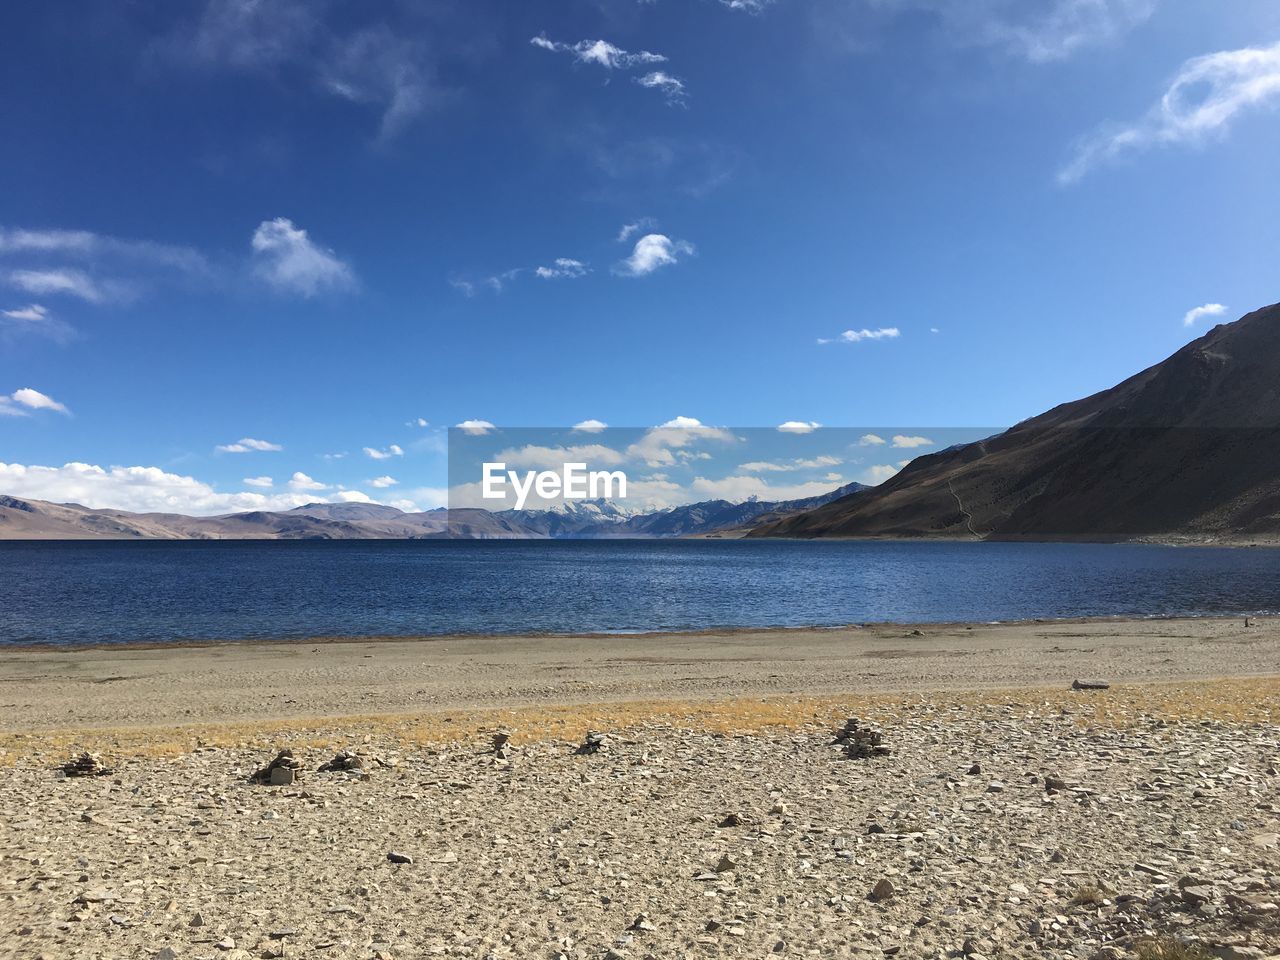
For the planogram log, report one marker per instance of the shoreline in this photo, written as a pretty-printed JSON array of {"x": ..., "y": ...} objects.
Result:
[
  {"x": 121, "y": 687},
  {"x": 695, "y": 632}
]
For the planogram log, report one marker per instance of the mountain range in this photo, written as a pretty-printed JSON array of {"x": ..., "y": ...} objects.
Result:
[
  {"x": 1185, "y": 451},
  {"x": 22, "y": 519}
]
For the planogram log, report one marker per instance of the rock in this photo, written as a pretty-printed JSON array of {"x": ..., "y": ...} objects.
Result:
[
  {"x": 875, "y": 828},
  {"x": 1053, "y": 783},
  {"x": 395, "y": 857},
  {"x": 860, "y": 742},
  {"x": 226, "y": 943},
  {"x": 196, "y": 921},
  {"x": 1080, "y": 684},
  {"x": 1058, "y": 857},
  {"x": 280, "y": 772},
  {"x": 86, "y": 765},
  {"x": 1193, "y": 896},
  {"x": 732, "y": 820},
  {"x": 779, "y": 809},
  {"x": 725, "y": 865},
  {"x": 995, "y": 786},
  {"x": 167, "y": 953},
  {"x": 592, "y": 743},
  {"x": 642, "y": 922},
  {"x": 975, "y": 770},
  {"x": 882, "y": 891},
  {"x": 344, "y": 761},
  {"x": 96, "y": 895}
]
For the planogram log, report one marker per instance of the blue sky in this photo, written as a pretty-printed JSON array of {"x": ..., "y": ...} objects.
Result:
[{"x": 314, "y": 225}]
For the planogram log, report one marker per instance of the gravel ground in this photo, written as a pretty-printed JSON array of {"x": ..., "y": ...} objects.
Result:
[{"x": 1001, "y": 824}]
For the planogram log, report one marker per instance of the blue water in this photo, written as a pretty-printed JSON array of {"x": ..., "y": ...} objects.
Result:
[{"x": 109, "y": 592}]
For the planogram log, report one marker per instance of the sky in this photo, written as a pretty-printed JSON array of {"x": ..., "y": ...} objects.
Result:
[{"x": 256, "y": 253}]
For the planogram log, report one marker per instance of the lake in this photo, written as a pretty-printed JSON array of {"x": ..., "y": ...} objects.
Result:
[{"x": 111, "y": 592}]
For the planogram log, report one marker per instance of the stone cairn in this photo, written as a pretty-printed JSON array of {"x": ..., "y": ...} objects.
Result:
[
  {"x": 343, "y": 762},
  {"x": 502, "y": 744},
  {"x": 86, "y": 765},
  {"x": 860, "y": 743},
  {"x": 280, "y": 772},
  {"x": 593, "y": 743}
]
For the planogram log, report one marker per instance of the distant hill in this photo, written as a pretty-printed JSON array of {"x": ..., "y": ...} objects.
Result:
[
  {"x": 40, "y": 520},
  {"x": 1187, "y": 450}
]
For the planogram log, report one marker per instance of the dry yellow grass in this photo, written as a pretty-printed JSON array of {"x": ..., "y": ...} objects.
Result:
[{"x": 1248, "y": 700}]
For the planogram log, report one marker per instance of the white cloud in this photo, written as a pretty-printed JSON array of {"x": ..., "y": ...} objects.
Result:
[
  {"x": 300, "y": 481},
  {"x": 383, "y": 482},
  {"x": 248, "y": 445},
  {"x": 264, "y": 482},
  {"x": 590, "y": 426},
  {"x": 747, "y": 6},
  {"x": 599, "y": 52},
  {"x": 33, "y": 313},
  {"x": 628, "y": 229},
  {"x": 878, "y": 474},
  {"x": 741, "y": 488},
  {"x": 476, "y": 428},
  {"x": 73, "y": 283},
  {"x": 532, "y": 455},
  {"x": 671, "y": 88},
  {"x": 787, "y": 466},
  {"x": 655, "y": 448},
  {"x": 858, "y": 336},
  {"x": 288, "y": 259},
  {"x": 652, "y": 251},
  {"x": 564, "y": 268},
  {"x": 1208, "y": 310},
  {"x": 910, "y": 443},
  {"x": 1205, "y": 97},
  {"x": 392, "y": 451},
  {"x": 140, "y": 489},
  {"x": 934, "y": 330},
  {"x": 799, "y": 426},
  {"x": 418, "y": 422},
  {"x": 20, "y": 401},
  {"x": 870, "y": 440}
]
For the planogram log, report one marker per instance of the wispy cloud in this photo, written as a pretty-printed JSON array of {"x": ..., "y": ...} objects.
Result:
[
  {"x": 1205, "y": 97},
  {"x": 629, "y": 229},
  {"x": 388, "y": 69},
  {"x": 22, "y": 401},
  {"x": 373, "y": 453},
  {"x": 671, "y": 88},
  {"x": 383, "y": 482},
  {"x": 249, "y": 445},
  {"x": 263, "y": 482},
  {"x": 564, "y": 268},
  {"x": 1042, "y": 32},
  {"x": 85, "y": 244},
  {"x": 600, "y": 52},
  {"x": 858, "y": 336},
  {"x": 60, "y": 282},
  {"x": 33, "y": 313},
  {"x": 291, "y": 262},
  {"x": 871, "y": 440},
  {"x": 1197, "y": 313},
  {"x": 789, "y": 466},
  {"x": 590, "y": 426},
  {"x": 652, "y": 251}
]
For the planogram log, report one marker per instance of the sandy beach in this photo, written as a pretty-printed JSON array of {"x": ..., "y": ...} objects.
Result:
[{"x": 1011, "y": 816}]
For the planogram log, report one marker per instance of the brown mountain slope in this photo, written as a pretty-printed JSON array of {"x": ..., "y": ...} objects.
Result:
[{"x": 1187, "y": 449}]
